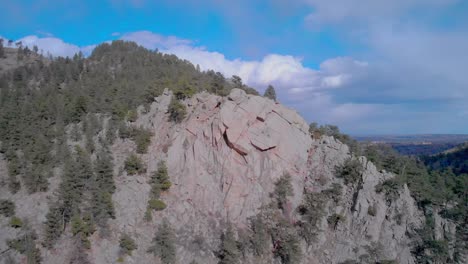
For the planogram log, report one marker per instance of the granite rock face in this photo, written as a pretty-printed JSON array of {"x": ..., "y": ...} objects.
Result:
[{"x": 223, "y": 161}]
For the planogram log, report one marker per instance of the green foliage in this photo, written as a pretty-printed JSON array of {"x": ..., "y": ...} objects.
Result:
[
  {"x": 177, "y": 111},
  {"x": 311, "y": 211},
  {"x": 111, "y": 131},
  {"x": 228, "y": 252},
  {"x": 78, "y": 108},
  {"x": 156, "y": 204},
  {"x": 385, "y": 157},
  {"x": 372, "y": 210},
  {"x": 427, "y": 249},
  {"x": 391, "y": 188},
  {"x": 283, "y": 189},
  {"x": 102, "y": 207},
  {"x": 25, "y": 244},
  {"x": 142, "y": 138},
  {"x": 351, "y": 171},
  {"x": 132, "y": 116},
  {"x": 14, "y": 169},
  {"x": 148, "y": 215},
  {"x": 83, "y": 228},
  {"x": 16, "y": 222},
  {"x": 237, "y": 83},
  {"x": 427, "y": 187},
  {"x": 134, "y": 165},
  {"x": 335, "y": 219},
  {"x": 163, "y": 244},
  {"x": 2, "y": 50},
  {"x": 286, "y": 244},
  {"x": 91, "y": 126},
  {"x": 53, "y": 225},
  {"x": 7, "y": 208},
  {"x": 260, "y": 236},
  {"x": 457, "y": 161},
  {"x": 184, "y": 92},
  {"x": 270, "y": 93},
  {"x": 127, "y": 245},
  {"x": 334, "y": 131},
  {"x": 461, "y": 241},
  {"x": 160, "y": 180},
  {"x": 77, "y": 174}
]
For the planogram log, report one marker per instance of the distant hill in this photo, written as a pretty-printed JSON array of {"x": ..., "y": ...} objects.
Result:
[
  {"x": 455, "y": 158},
  {"x": 428, "y": 144},
  {"x": 456, "y": 148}
]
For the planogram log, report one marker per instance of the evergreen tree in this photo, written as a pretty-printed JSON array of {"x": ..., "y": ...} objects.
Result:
[
  {"x": 54, "y": 226},
  {"x": 102, "y": 206},
  {"x": 7, "y": 208},
  {"x": 134, "y": 165},
  {"x": 2, "y": 50},
  {"x": 270, "y": 93},
  {"x": 127, "y": 245},
  {"x": 283, "y": 189},
  {"x": 163, "y": 244},
  {"x": 177, "y": 111},
  {"x": 229, "y": 251},
  {"x": 159, "y": 180}
]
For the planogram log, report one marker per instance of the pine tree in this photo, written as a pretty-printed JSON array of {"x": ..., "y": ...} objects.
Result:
[
  {"x": 159, "y": 180},
  {"x": 54, "y": 226},
  {"x": 2, "y": 50},
  {"x": 270, "y": 93},
  {"x": 163, "y": 244},
  {"x": 127, "y": 244},
  {"x": 103, "y": 188},
  {"x": 229, "y": 252}
]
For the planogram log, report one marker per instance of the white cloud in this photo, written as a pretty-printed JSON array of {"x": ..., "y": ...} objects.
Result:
[
  {"x": 53, "y": 46},
  {"x": 297, "y": 85},
  {"x": 283, "y": 71}
]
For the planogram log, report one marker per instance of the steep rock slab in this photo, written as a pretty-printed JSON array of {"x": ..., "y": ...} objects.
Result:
[{"x": 242, "y": 146}]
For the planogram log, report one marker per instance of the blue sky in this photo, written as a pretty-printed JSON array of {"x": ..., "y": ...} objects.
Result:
[{"x": 369, "y": 66}]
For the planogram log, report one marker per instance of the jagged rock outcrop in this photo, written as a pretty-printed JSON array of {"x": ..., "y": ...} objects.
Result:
[{"x": 223, "y": 161}]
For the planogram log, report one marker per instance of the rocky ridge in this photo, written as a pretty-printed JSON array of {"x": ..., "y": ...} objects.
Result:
[{"x": 223, "y": 161}]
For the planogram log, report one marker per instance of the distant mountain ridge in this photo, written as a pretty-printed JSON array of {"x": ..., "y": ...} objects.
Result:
[
  {"x": 455, "y": 159},
  {"x": 424, "y": 144}
]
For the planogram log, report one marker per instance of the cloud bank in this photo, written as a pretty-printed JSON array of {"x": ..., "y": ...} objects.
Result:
[{"x": 410, "y": 78}]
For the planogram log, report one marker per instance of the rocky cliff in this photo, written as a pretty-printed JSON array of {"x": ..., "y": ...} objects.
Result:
[{"x": 223, "y": 161}]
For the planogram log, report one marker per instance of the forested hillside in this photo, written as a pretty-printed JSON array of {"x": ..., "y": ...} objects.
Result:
[
  {"x": 438, "y": 183},
  {"x": 38, "y": 101},
  {"x": 455, "y": 160},
  {"x": 46, "y": 103}
]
